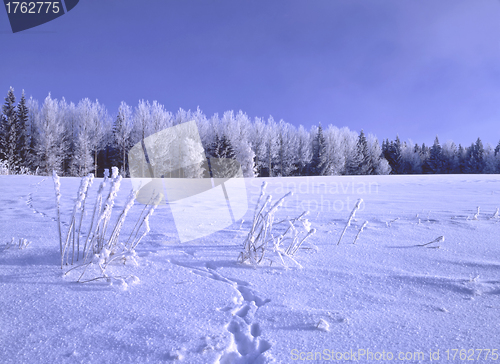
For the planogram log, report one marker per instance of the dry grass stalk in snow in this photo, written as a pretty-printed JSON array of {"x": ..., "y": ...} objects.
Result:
[
  {"x": 351, "y": 217},
  {"x": 268, "y": 237},
  {"x": 57, "y": 187},
  {"x": 476, "y": 216},
  {"x": 437, "y": 240},
  {"x": 360, "y": 231},
  {"x": 388, "y": 223}
]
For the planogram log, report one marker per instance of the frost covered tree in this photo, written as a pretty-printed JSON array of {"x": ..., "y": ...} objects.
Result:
[
  {"x": 258, "y": 143},
  {"x": 350, "y": 142},
  {"x": 92, "y": 128},
  {"x": 392, "y": 153},
  {"x": 223, "y": 164},
  {"x": 411, "y": 162},
  {"x": 122, "y": 135},
  {"x": 51, "y": 146},
  {"x": 82, "y": 161},
  {"x": 491, "y": 161},
  {"x": 434, "y": 164},
  {"x": 10, "y": 133},
  {"x": 205, "y": 128},
  {"x": 497, "y": 149},
  {"x": 68, "y": 113},
  {"x": 160, "y": 118},
  {"x": 287, "y": 149},
  {"x": 237, "y": 129},
  {"x": 449, "y": 158},
  {"x": 33, "y": 116},
  {"x": 379, "y": 163},
  {"x": 461, "y": 159},
  {"x": 335, "y": 150},
  {"x": 23, "y": 142},
  {"x": 142, "y": 119},
  {"x": 360, "y": 162},
  {"x": 475, "y": 158},
  {"x": 319, "y": 157},
  {"x": 304, "y": 150},
  {"x": 271, "y": 147}
]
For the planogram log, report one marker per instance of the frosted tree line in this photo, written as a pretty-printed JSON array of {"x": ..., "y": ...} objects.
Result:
[
  {"x": 77, "y": 139},
  {"x": 447, "y": 158}
]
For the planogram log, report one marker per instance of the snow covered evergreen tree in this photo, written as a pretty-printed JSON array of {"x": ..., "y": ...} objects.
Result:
[
  {"x": 449, "y": 158},
  {"x": 319, "y": 157},
  {"x": 33, "y": 117},
  {"x": 10, "y": 133},
  {"x": 475, "y": 158},
  {"x": 223, "y": 165},
  {"x": 360, "y": 163},
  {"x": 392, "y": 153},
  {"x": 461, "y": 159},
  {"x": 23, "y": 143},
  {"x": 497, "y": 149},
  {"x": 434, "y": 164}
]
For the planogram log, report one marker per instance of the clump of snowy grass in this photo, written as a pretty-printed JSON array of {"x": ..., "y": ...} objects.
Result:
[
  {"x": 102, "y": 244},
  {"x": 268, "y": 237},
  {"x": 360, "y": 231},
  {"x": 351, "y": 217},
  {"x": 19, "y": 243}
]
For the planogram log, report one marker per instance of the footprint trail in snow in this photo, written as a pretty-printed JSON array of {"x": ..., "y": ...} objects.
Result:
[{"x": 246, "y": 345}]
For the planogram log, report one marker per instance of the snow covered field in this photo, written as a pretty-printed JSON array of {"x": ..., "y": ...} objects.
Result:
[{"x": 381, "y": 298}]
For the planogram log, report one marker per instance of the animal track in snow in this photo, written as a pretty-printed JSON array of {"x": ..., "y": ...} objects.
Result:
[{"x": 247, "y": 345}]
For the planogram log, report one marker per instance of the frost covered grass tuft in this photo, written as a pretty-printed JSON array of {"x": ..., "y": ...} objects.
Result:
[
  {"x": 102, "y": 244},
  {"x": 20, "y": 243},
  {"x": 360, "y": 231},
  {"x": 268, "y": 239},
  {"x": 351, "y": 217}
]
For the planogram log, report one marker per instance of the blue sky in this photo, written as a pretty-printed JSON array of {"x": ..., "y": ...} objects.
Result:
[{"x": 406, "y": 67}]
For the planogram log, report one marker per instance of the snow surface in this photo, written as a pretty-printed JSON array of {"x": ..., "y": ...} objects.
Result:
[{"x": 194, "y": 303}]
